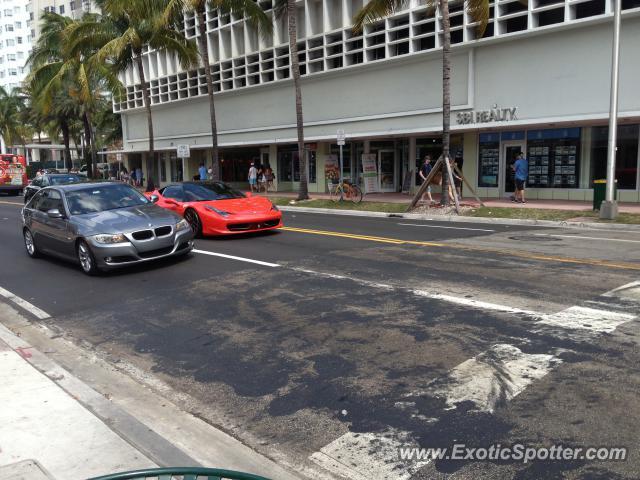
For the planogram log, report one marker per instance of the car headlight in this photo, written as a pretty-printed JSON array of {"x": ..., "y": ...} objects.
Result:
[
  {"x": 222, "y": 213},
  {"x": 182, "y": 225},
  {"x": 110, "y": 238}
]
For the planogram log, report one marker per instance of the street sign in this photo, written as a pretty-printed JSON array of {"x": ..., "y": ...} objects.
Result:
[
  {"x": 183, "y": 151},
  {"x": 341, "y": 137},
  {"x": 119, "y": 157}
]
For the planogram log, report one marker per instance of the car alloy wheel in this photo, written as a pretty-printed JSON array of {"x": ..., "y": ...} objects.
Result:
[
  {"x": 29, "y": 244},
  {"x": 192, "y": 217},
  {"x": 87, "y": 262}
]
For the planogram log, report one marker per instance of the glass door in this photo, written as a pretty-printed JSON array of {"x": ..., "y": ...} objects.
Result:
[
  {"x": 387, "y": 170},
  {"x": 510, "y": 151}
]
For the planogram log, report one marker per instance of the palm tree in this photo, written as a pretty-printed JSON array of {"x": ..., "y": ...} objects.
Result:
[
  {"x": 120, "y": 36},
  {"x": 254, "y": 16},
  {"x": 478, "y": 11},
  {"x": 288, "y": 8},
  {"x": 11, "y": 105}
]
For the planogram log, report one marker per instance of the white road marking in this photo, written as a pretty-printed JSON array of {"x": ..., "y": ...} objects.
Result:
[
  {"x": 441, "y": 226},
  {"x": 589, "y": 320},
  {"x": 240, "y": 259},
  {"x": 630, "y": 291},
  {"x": 492, "y": 377},
  {"x": 477, "y": 304},
  {"x": 579, "y": 237},
  {"x": 465, "y": 302},
  {"x": 369, "y": 456},
  {"x": 41, "y": 314}
]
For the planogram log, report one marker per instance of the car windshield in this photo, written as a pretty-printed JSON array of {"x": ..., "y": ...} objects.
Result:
[
  {"x": 104, "y": 197},
  {"x": 202, "y": 192},
  {"x": 66, "y": 179}
]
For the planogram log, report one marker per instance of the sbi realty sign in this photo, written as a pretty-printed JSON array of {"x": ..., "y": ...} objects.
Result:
[{"x": 495, "y": 114}]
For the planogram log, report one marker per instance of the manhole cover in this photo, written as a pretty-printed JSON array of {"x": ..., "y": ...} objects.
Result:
[{"x": 535, "y": 238}]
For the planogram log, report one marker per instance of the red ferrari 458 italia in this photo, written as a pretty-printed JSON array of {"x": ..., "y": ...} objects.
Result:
[{"x": 214, "y": 208}]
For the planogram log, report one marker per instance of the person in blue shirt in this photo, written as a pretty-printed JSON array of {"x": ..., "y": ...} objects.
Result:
[
  {"x": 521, "y": 168},
  {"x": 203, "y": 172}
]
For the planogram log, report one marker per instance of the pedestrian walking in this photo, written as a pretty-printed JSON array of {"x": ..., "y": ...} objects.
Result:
[
  {"x": 521, "y": 169},
  {"x": 425, "y": 170},
  {"x": 457, "y": 177},
  {"x": 269, "y": 177},
  {"x": 138, "y": 177},
  {"x": 203, "y": 172},
  {"x": 253, "y": 177}
]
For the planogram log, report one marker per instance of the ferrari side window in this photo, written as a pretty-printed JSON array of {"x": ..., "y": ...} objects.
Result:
[{"x": 174, "y": 192}]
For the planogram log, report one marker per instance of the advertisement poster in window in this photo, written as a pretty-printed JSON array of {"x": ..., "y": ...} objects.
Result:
[
  {"x": 369, "y": 172},
  {"x": 332, "y": 169}
]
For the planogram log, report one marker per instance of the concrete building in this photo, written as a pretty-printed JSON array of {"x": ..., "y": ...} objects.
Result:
[
  {"x": 537, "y": 81},
  {"x": 69, "y": 8},
  {"x": 15, "y": 42}
]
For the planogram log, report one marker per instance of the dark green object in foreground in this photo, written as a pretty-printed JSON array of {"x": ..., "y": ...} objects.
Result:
[
  {"x": 600, "y": 192},
  {"x": 181, "y": 474}
]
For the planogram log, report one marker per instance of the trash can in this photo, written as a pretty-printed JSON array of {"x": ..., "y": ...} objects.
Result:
[{"x": 600, "y": 192}]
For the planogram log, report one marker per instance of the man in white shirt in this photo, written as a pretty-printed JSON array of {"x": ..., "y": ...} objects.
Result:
[{"x": 253, "y": 177}]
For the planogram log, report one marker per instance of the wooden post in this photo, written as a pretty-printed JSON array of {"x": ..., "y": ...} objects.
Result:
[
  {"x": 468, "y": 184},
  {"x": 452, "y": 185}
]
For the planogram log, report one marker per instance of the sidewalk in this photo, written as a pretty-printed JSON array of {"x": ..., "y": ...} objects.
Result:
[
  {"x": 469, "y": 200},
  {"x": 41, "y": 422}
]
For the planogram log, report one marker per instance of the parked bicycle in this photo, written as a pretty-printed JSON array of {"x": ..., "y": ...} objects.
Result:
[{"x": 345, "y": 190}]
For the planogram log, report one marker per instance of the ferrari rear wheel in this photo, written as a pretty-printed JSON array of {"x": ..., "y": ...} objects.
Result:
[{"x": 193, "y": 218}]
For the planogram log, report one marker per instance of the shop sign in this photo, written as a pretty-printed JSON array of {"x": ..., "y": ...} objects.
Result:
[
  {"x": 495, "y": 114},
  {"x": 369, "y": 172}
]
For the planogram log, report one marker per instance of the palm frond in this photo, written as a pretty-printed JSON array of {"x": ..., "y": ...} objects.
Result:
[
  {"x": 377, "y": 10},
  {"x": 478, "y": 11}
]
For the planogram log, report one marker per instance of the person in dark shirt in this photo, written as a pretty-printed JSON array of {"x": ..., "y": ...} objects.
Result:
[{"x": 425, "y": 170}]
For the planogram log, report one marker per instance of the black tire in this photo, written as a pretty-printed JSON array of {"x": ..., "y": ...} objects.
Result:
[
  {"x": 192, "y": 217},
  {"x": 86, "y": 259},
  {"x": 30, "y": 244}
]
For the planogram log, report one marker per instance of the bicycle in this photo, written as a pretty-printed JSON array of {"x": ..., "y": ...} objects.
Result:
[{"x": 345, "y": 190}]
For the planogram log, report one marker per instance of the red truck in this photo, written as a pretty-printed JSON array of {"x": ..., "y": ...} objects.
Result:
[{"x": 13, "y": 174}]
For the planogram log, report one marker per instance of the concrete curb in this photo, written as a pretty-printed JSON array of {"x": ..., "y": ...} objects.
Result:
[
  {"x": 139, "y": 436},
  {"x": 456, "y": 219}
]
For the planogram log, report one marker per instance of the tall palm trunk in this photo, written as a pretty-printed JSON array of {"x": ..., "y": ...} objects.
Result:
[
  {"x": 446, "y": 97},
  {"x": 64, "y": 127},
  {"x": 303, "y": 192},
  {"x": 147, "y": 105},
  {"x": 90, "y": 142},
  {"x": 204, "y": 51}
]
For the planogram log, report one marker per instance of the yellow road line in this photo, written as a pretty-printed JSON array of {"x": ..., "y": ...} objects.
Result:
[{"x": 470, "y": 248}]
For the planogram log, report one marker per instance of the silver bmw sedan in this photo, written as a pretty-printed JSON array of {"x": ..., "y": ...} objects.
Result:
[{"x": 102, "y": 226}]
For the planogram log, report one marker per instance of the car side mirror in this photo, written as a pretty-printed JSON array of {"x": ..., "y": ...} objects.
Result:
[
  {"x": 154, "y": 198},
  {"x": 54, "y": 213}
]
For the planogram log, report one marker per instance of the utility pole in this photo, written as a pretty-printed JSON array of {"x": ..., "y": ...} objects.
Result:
[{"x": 609, "y": 208}]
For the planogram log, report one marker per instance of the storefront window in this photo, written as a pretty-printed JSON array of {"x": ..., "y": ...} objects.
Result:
[
  {"x": 554, "y": 158},
  {"x": 289, "y": 164},
  {"x": 489, "y": 160},
  {"x": 626, "y": 155},
  {"x": 346, "y": 158},
  {"x": 234, "y": 164}
]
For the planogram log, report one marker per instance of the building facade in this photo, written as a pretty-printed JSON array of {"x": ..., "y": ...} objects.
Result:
[
  {"x": 537, "y": 81},
  {"x": 15, "y": 42}
]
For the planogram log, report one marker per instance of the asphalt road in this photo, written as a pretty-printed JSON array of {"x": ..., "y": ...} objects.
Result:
[{"x": 352, "y": 336}]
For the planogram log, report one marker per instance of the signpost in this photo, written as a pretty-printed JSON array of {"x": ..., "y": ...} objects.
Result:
[
  {"x": 183, "y": 151},
  {"x": 340, "y": 137}
]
